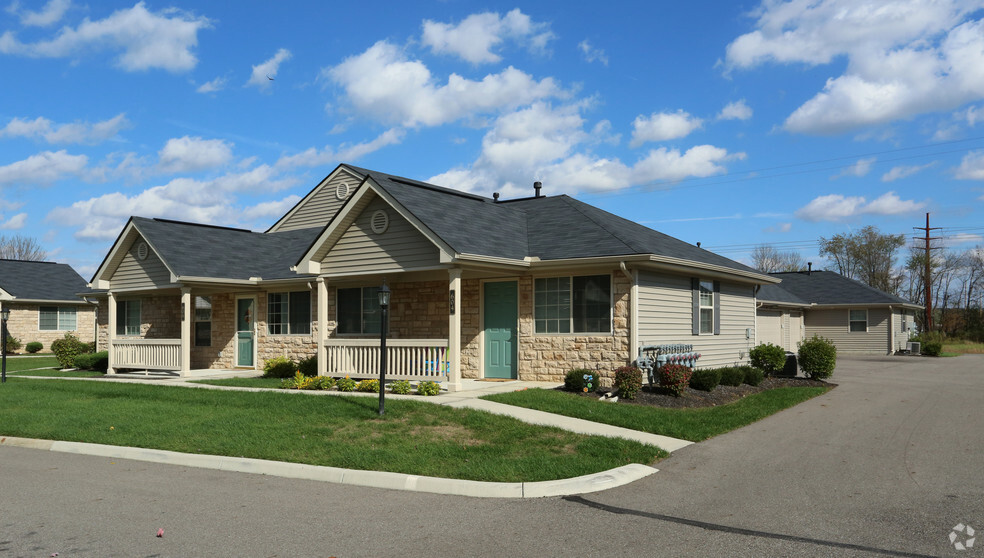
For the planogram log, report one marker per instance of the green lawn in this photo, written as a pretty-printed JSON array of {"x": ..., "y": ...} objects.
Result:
[
  {"x": 689, "y": 424},
  {"x": 412, "y": 437},
  {"x": 16, "y": 364},
  {"x": 963, "y": 348},
  {"x": 268, "y": 383}
]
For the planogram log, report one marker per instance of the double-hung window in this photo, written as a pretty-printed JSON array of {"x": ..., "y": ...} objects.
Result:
[
  {"x": 203, "y": 321},
  {"x": 706, "y": 307},
  {"x": 358, "y": 311},
  {"x": 57, "y": 318},
  {"x": 289, "y": 313},
  {"x": 580, "y": 304},
  {"x": 128, "y": 317},
  {"x": 858, "y": 321}
]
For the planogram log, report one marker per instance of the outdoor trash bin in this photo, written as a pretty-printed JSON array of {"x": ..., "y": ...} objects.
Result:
[{"x": 790, "y": 368}]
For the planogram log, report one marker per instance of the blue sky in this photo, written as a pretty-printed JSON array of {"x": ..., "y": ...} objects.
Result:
[{"x": 728, "y": 123}]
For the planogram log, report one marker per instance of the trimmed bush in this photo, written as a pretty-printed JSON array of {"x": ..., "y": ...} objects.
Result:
[
  {"x": 13, "y": 344},
  {"x": 732, "y": 376},
  {"x": 706, "y": 379},
  {"x": 369, "y": 386},
  {"x": 34, "y": 347},
  {"x": 400, "y": 387},
  {"x": 932, "y": 348},
  {"x": 628, "y": 381},
  {"x": 675, "y": 377},
  {"x": 753, "y": 376},
  {"x": 817, "y": 357},
  {"x": 93, "y": 361},
  {"x": 309, "y": 366},
  {"x": 67, "y": 348},
  {"x": 279, "y": 367},
  {"x": 428, "y": 388},
  {"x": 581, "y": 380},
  {"x": 346, "y": 384},
  {"x": 768, "y": 357}
]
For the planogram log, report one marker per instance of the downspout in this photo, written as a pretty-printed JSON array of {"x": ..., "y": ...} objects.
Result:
[
  {"x": 891, "y": 330},
  {"x": 633, "y": 321}
]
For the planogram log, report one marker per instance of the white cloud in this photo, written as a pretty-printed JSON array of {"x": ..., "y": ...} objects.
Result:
[
  {"x": 312, "y": 157},
  {"x": 779, "y": 228},
  {"x": 663, "y": 126},
  {"x": 264, "y": 71},
  {"x": 14, "y": 223},
  {"x": 145, "y": 40},
  {"x": 43, "y": 169},
  {"x": 861, "y": 168},
  {"x": 971, "y": 166},
  {"x": 669, "y": 165},
  {"x": 78, "y": 132},
  {"x": 903, "y": 58},
  {"x": 477, "y": 35},
  {"x": 962, "y": 238},
  {"x": 271, "y": 209},
  {"x": 737, "y": 110},
  {"x": 190, "y": 154},
  {"x": 216, "y": 84},
  {"x": 903, "y": 171},
  {"x": 835, "y": 207},
  {"x": 591, "y": 53},
  {"x": 50, "y": 14}
]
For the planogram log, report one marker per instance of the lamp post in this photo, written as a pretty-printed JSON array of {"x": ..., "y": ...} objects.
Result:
[
  {"x": 384, "y": 300},
  {"x": 4, "y": 315}
]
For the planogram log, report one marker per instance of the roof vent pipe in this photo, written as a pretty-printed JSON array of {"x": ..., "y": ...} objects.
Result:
[
  {"x": 536, "y": 186},
  {"x": 698, "y": 244},
  {"x": 495, "y": 197},
  {"x": 809, "y": 268}
]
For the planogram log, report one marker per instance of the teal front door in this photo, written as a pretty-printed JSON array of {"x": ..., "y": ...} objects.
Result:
[
  {"x": 501, "y": 317},
  {"x": 245, "y": 318}
]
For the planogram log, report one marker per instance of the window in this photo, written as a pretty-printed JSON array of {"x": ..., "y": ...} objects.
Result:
[
  {"x": 128, "y": 317},
  {"x": 706, "y": 297},
  {"x": 859, "y": 321},
  {"x": 289, "y": 313},
  {"x": 203, "y": 321},
  {"x": 573, "y": 304},
  {"x": 358, "y": 310},
  {"x": 57, "y": 318}
]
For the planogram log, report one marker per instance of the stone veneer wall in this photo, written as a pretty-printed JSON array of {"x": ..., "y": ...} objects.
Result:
[
  {"x": 24, "y": 322},
  {"x": 418, "y": 310},
  {"x": 471, "y": 328},
  {"x": 295, "y": 347}
]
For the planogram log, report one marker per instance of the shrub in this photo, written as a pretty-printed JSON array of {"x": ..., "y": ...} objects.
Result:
[
  {"x": 309, "y": 366},
  {"x": 428, "y": 388},
  {"x": 768, "y": 357},
  {"x": 294, "y": 382},
  {"x": 93, "y": 361},
  {"x": 581, "y": 380},
  {"x": 368, "y": 386},
  {"x": 34, "y": 346},
  {"x": 67, "y": 348},
  {"x": 732, "y": 376},
  {"x": 932, "y": 348},
  {"x": 706, "y": 379},
  {"x": 628, "y": 381},
  {"x": 817, "y": 357},
  {"x": 279, "y": 367},
  {"x": 346, "y": 384},
  {"x": 323, "y": 382},
  {"x": 13, "y": 344},
  {"x": 675, "y": 377},
  {"x": 753, "y": 376},
  {"x": 400, "y": 387}
]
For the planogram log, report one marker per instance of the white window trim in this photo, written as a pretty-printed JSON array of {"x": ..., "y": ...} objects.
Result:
[
  {"x": 701, "y": 306},
  {"x": 122, "y": 324},
  {"x": 361, "y": 314},
  {"x": 611, "y": 308},
  {"x": 850, "y": 321},
  {"x": 58, "y": 319},
  {"x": 196, "y": 321},
  {"x": 311, "y": 321}
]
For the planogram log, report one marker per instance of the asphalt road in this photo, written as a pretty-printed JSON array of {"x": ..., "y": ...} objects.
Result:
[{"x": 886, "y": 464}]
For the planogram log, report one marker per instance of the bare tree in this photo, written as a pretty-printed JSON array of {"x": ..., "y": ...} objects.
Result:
[
  {"x": 767, "y": 259},
  {"x": 19, "y": 247},
  {"x": 866, "y": 255}
]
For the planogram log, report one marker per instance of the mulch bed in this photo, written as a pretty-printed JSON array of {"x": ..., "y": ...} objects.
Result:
[{"x": 693, "y": 398}]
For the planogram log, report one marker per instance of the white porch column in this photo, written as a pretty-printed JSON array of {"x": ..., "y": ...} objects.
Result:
[
  {"x": 454, "y": 330},
  {"x": 186, "y": 308},
  {"x": 111, "y": 334},
  {"x": 322, "y": 326}
]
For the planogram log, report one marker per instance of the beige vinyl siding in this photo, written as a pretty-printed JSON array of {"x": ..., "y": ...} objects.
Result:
[
  {"x": 833, "y": 324},
  {"x": 134, "y": 273},
  {"x": 322, "y": 204},
  {"x": 794, "y": 331},
  {"x": 770, "y": 327},
  {"x": 400, "y": 247},
  {"x": 666, "y": 316}
]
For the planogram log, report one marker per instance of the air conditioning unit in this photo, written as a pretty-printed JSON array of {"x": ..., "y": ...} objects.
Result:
[{"x": 914, "y": 347}]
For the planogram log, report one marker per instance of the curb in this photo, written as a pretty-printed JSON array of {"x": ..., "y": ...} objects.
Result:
[{"x": 373, "y": 479}]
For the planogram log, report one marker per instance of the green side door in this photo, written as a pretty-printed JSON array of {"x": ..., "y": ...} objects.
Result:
[
  {"x": 501, "y": 339},
  {"x": 245, "y": 318}
]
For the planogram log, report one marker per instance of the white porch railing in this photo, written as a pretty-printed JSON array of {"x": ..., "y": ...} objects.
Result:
[
  {"x": 406, "y": 359},
  {"x": 147, "y": 354}
]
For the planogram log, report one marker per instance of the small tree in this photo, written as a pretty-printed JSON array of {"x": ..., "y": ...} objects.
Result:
[{"x": 817, "y": 357}]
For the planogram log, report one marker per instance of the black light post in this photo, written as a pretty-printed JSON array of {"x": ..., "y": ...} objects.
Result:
[
  {"x": 4, "y": 315},
  {"x": 384, "y": 300}
]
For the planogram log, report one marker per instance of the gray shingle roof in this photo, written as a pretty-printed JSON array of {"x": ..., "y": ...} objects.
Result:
[
  {"x": 41, "y": 280},
  {"x": 826, "y": 287}
]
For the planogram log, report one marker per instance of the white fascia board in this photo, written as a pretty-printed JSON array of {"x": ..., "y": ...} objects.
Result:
[
  {"x": 716, "y": 271},
  {"x": 307, "y": 261}
]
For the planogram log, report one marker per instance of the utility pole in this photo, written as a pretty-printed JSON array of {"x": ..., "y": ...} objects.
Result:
[{"x": 928, "y": 277}]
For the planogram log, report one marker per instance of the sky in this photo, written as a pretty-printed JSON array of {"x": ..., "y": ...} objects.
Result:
[{"x": 729, "y": 123}]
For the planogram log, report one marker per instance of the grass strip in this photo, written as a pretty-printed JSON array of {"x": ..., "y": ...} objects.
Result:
[
  {"x": 55, "y": 373},
  {"x": 687, "y": 424},
  {"x": 412, "y": 437},
  {"x": 16, "y": 364},
  {"x": 265, "y": 383}
]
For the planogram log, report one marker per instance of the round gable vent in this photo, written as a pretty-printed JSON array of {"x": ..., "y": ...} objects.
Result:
[
  {"x": 342, "y": 191},
  {"x": 379, "y": 222},
  {"x": 142, "y": 250}
]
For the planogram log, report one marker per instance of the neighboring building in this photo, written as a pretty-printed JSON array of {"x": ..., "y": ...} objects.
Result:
[
  {"x": 859, "y": 319},
  {"x": 481, "y": 288},
  {"x": 44, "y": 302}
]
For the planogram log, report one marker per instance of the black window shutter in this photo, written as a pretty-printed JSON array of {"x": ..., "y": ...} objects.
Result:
[
  {"x": 717, "y": 308},
  {"x": 695, "y": 291}
]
